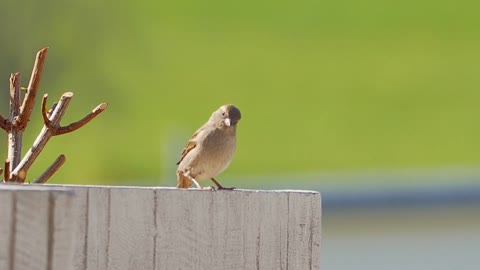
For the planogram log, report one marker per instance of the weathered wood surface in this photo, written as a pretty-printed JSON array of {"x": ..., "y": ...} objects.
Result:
[
  {"x": 35, "y": 228},
  {"x": 116, "y": 228}
]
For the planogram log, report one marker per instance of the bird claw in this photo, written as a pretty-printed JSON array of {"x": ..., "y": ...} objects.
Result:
[
  {"x": 220, "y": 186},
  {"x": 209, "y": 188}
]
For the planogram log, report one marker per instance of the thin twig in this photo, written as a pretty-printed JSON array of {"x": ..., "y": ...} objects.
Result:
[
  {"x": 82, "y": 122},
  {"x": 44, "y": 135},
  {"x": 6, "y": 175},
  {"x": 15, "y": 133},
  {"x": 45, "y": 116},
  {"x": 29, "y": 100},
  {"x": 51, "y": 170},
  {"x": 49, "y": 113}
]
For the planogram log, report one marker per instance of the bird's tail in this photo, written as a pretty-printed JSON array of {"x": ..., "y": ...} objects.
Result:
[{"x": 183, "y": 181}]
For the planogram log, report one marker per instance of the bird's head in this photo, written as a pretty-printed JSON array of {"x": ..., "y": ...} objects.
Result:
[{"x": 227, "y": 115}]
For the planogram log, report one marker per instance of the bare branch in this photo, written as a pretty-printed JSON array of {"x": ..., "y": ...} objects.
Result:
[
  {"x": 4, "y": 124},
  {"x": 14, "y": 94},
  {"x": 15, "y": 133},
  {"x": 82, "y": 122},
  {"x": 54, "y": 105},
  {"x": 60, "y": 109},
  {"x": 16, "y": 168},
  {"x": 45, "y": 115},
  {"x": 6, "y": 175},
  {"x": 29, "y": 100},
  {"x": 44, "y": 135},
  {"x": 51, "y": 170}
]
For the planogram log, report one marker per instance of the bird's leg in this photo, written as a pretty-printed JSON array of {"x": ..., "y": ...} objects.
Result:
[
  {"x": 200, "y": 187},
  {"x": 220, "y": 186}
]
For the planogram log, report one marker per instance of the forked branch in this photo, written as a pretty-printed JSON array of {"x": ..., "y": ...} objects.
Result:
[
  {"x": 82, "y": 122},
  {"x": 52, "y": 127},
  {"x": 16, "y": 168}
]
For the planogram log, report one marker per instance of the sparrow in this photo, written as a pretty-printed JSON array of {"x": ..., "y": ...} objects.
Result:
[{"x": 210, "y": 149}]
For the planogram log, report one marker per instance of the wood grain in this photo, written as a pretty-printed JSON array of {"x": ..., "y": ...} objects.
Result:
[
  {"x": 131, "y": 230},
  {"x": 61, "y": 230},
  {"x": 7, "y": 208},
  {"x": 97, "y": 238},
  {"x": 160, "y": 228},
  {"x": 35, "y": 228}
]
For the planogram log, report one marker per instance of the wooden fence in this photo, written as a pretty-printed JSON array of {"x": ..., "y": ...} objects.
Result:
[{"x": 48, "y": 227}]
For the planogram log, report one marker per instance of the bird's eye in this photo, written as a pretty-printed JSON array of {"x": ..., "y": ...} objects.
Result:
[{"x": 223, "y": 113}]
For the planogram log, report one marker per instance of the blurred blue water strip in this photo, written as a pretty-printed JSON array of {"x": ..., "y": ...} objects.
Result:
[
  {"x": 383, "y": 189},
  {"x": 401, "y": 197}
]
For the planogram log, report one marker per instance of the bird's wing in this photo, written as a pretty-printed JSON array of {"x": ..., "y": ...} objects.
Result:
[{"x": 190, "y": 145}]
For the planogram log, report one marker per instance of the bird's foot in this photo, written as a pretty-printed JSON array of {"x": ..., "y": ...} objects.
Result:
[
  {"x": 202, "y": 188},
  {"x": 208, "y": 188},
  {"x": 226, "y": 188},
  {"x": 220, "y": 186}
]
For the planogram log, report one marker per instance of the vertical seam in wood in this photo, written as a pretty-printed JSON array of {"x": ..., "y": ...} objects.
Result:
[
  {"x": 13, "y": 231},
  {"x": 51, "y": 230},
  {"x": 258, "y": 249},
  {"x": 280, "y": 260},
  {"x": 85, "y": 239},
  {"x": 312, "y": 231},
  {"x": 109, "y": 216},
  {"x": 155, "y": 235},
  {"x": 288, "y": 229},
  {"x": 259, "y": 229}
]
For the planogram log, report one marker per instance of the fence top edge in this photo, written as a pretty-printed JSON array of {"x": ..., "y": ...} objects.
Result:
[
  {"x": 69, "y": 187},
  {"x": 8, "y": 187}
]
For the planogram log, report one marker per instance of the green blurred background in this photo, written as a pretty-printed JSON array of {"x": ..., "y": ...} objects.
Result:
[
  {"x": 375, "y": 103},
  {"x": 324, "y": 86}
]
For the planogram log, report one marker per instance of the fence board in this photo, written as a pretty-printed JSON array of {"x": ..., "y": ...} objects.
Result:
[
  {"x": 35, "y": 228},
  {"x": 6, "y": 233},
  {"x": 160, "y": 228}
]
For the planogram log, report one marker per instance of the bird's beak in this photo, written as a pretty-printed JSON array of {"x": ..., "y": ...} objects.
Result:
[{"x": 228, "y": 122}]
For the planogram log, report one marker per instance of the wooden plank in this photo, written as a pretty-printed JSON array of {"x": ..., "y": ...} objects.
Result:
[
  {"x": 132, "y": 229},
  {"x": 97, "y": 240},
  {"x": 38, "y": 233},
  {"x": 176, "y": 243},
  {"x": 272, "y": 231},
  {"x": 31, "y": 230},
  {"x": 162, "y": 228},
  {"x": 248, "y": 230},
  {"x": 35, "y": 228},
  {"x": 79, "y": 214},
  {"x": 304, "y": 231},
  {"x": 232, "y": 230},
  {"x": 63, "y": 230},
  {"x": 7, "y": 221},
  {"x": 316, "y": 232}
]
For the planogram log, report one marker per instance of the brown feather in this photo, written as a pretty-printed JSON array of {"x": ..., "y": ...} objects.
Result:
[
  {"x": 183, "y": 181},
  {"x": 190, "y": 145}
]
